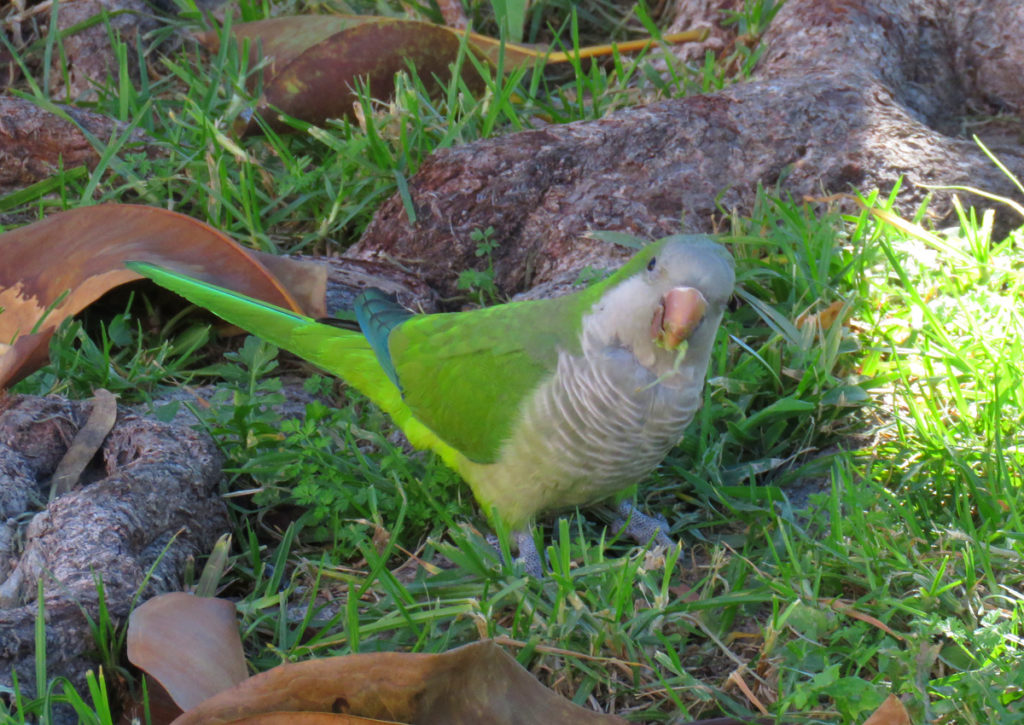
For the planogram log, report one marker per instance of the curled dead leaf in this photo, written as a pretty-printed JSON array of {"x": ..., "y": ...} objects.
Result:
[
  {"x": 476, "y": 683},
  {"x": 55, "y": 268},
  {"x": 824, "y": 319},
  {"x": 189, "y": 644},
  {"x": 313, "y": 63}
]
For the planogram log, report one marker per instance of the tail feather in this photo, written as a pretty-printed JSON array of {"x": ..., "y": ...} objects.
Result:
[{"x": 342, "y": 352}]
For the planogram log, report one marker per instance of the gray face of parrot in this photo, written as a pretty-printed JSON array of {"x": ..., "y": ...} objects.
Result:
[{"x": 668, "y": 313}]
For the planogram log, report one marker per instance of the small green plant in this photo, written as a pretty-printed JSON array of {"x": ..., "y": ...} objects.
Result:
[
  {"x": 119, "y": 356},
  {"x": 754, "y": 17},
  {"x": 480, "y": 282}
]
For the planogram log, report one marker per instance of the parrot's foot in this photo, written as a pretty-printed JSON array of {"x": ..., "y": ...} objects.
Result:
[
  {"x": 528, "y": 555},
  {"x": 641, "y": 528}
]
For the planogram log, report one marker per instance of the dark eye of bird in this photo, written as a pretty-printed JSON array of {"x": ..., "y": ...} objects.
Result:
[{"x": 650, "y": 265}]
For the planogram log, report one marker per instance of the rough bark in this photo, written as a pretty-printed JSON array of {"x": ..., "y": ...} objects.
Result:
[
  {"x": 708, "y": 15},
  {"x": 148, "y": 506},
  {"x": 347, "y": 278},
  {"x": 34, "y": 142},
  {"x": 849, "y": 94},
  {"x": 89, "y": 54}
]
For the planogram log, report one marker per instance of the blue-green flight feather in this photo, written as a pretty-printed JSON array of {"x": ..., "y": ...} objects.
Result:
[{"x": 378, "y": 313}]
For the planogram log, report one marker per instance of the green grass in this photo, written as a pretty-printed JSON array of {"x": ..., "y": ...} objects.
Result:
[
  {"x": 316, "y": 189},
  {"x": 850, "y": 499}
]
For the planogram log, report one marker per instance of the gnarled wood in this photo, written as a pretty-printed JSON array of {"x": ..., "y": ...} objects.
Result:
[
  {"x": 848, "y": 94},
  {"x": 34, "y": 142},
  {"x": 149, "y": 505}
]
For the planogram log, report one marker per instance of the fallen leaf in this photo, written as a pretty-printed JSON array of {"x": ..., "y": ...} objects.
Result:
[
  {"x": 189, "y": 644},
  {"x": 823, "y": 319},
  {"x": 307, "y": 718},
  {"x": 890, "y": 712},
  {"x": 313, "y": 62},
  {"x": 476, "y": 683},
  {"x": 55, "y": 268},
  {"x": 85, "y": 443}
]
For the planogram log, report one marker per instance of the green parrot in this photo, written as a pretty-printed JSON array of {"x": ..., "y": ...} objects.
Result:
[{"x": 539, "y": 405}]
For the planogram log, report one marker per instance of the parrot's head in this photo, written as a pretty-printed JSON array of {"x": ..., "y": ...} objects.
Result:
[{"x": 665, "y": 304}]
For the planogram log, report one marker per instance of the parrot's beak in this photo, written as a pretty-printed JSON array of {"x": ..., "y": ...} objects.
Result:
[{"x": 678, "y": 315}]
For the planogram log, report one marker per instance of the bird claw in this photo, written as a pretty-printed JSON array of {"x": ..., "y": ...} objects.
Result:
[
  {"x": 528, "y": 555},
  {"x": 628, "y": 521},
  {"x": 640, "y": 527}
]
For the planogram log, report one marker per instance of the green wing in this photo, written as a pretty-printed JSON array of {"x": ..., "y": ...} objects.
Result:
[{"x": 465, "y": 374}]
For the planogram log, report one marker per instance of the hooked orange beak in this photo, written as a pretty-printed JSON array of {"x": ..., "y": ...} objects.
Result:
[{"x": 678, "y": 315}]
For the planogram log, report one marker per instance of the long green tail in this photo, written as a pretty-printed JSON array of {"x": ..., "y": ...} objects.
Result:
[{"x": 344, "y": 353}]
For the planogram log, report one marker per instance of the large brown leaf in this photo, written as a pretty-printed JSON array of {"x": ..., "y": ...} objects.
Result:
[
  {"x": 54, "y": 268},
  {"x": 313, "y": 62},
  {"x": 477, "y": 683},
  {"x": 189, "y": 644}
]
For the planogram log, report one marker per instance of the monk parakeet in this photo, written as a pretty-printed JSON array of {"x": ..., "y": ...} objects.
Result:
[{"x": 539, "y": 405}]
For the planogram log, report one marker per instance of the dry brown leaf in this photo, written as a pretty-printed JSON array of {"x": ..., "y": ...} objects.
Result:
[
  {"x": 54, "y": 268},
  {"x": 472, "y": 684},
  {"x": 313, "y": 62},
  {"x": 189, "y": 644},
  {"x": 86, "y": 442},
  {"x": 823, "y": 319},
  {"x": 890, "y": 712},
  {"x": 308, "y": 718},
  {"x": 25, "y": 356}
]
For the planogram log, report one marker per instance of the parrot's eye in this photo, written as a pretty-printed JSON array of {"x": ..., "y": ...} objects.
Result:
[{"x": 650, "y": 265}]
